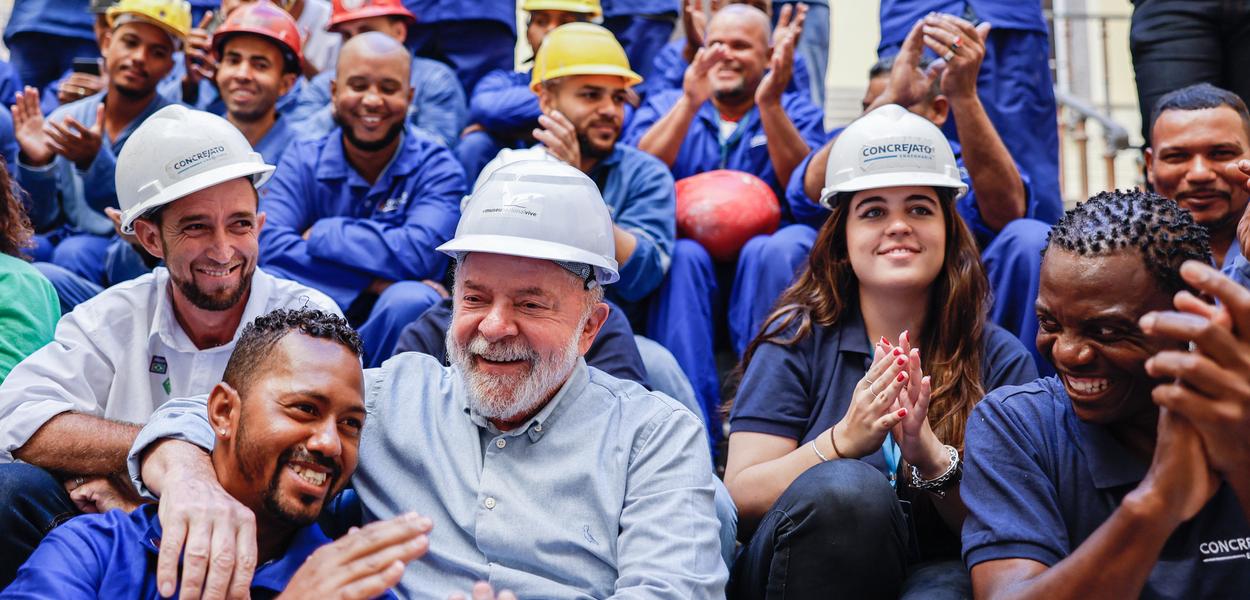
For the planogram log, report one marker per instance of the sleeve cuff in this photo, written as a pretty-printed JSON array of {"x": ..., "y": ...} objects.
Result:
[
  {"x": 179, "y": 422},
  {"x": 1009, "y": 550}
]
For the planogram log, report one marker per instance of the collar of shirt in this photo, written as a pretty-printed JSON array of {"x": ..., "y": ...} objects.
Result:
[
  {"x": 273, "y": 575},
  {"x": 165, "y": 326},
  {"x": 712, "y": 121},
  {"x": 85, "y": 110},
  {"x": 1234, "y": 253},
  {"x": 540, "y": 422},
  {"x": 1110, "y": 463},
  {"x": 333, "y": 165},
  {"x": 853, "y": 334}
]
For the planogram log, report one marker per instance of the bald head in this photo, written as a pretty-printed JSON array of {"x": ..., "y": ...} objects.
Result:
[
  {"x": 743, "y": 18},
  {"x": 373, "y": 50}
]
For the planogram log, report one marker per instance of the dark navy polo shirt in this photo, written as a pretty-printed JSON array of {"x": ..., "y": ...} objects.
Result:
[
  {"x": 799, "y": 391},
  {"x": 1038, "y": 482}
]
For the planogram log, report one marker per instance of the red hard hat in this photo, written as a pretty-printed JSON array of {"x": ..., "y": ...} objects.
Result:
[
  {"x": 724, "y": 209},
  {"x": 350, "y": 10},
  {"x": 265, "y": 19}
]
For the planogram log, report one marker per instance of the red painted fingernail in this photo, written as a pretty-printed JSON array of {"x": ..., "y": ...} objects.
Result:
[
  {"x": 897, "y": 352},
  {"x": 902, "y": 360},
  {"x": 902, "y": 376},
  {"x": 902, "y": 412},
  {"x": 884, "y": 342}
]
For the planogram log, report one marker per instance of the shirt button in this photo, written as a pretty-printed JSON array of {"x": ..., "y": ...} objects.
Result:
[
  {"x": 538, "y": 428},
  {"x": 489, "y": 503},
  {"x": 500, "y": 443}
]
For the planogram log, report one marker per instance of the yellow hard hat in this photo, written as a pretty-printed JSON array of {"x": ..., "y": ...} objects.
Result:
[
  {"x": 581, "y": 49},
  {"x": 172, "y": 16},
  {"x": 586, "y": 7}
]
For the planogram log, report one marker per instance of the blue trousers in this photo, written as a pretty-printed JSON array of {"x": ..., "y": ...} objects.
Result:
[
  {"x": 642, "y": 36},
  {"x": 84, "y": 255},
  {"x": 682, "y": 318},
  {"x": 474, "y": 151},
  {"x": 397, "y": 306},
  {"x": 71, "y": 289},
  {"x": 472, "y": 48},
  {"x": 839, "y": 530},
  {"x": 32, "y": 503},
  {"x": 40, "y": 58},
  {"x": 1013, "y": 262}
]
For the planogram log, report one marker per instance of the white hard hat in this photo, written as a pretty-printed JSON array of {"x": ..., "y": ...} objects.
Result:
[
  {"x": 890, "y": 147},
  {"x": 179, "y": 151},
  {"x": 539, "y": 209}
]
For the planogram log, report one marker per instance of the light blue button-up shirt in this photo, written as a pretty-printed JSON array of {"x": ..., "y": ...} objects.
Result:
[{"x": 606, "y": 492}]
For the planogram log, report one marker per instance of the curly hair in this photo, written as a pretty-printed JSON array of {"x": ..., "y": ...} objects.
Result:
[
  {"x": 255, "y": 346},
  {"x": 15, "y": 230},
  {"x": 1164, "y": 233}
]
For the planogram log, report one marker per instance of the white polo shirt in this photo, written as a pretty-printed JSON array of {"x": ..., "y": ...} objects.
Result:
[{"x": 122, "y": 354}]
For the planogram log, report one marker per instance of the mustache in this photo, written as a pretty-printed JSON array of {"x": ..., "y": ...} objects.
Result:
[
  {"x": 503, "y": 351},
  {"x": 304, "y": 455},
  {"x": 1206, "y": 190}
]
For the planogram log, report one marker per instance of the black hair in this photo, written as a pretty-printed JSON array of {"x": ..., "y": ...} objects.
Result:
[
  {"x": 255, "y": 346},
  {"x": 1159, "y": 229},
  {"x": 1200, "y": 96}
]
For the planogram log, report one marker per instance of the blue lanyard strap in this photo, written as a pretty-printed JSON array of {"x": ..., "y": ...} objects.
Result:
[{"x": 893, "y": 455}]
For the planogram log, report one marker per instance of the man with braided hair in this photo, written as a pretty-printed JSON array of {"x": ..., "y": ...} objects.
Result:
[{"x": 1080, "y": 481}]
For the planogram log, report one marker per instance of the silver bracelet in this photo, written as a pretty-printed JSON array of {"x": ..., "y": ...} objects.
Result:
[
  {"x": 940, "y": 484},
  {"x": 818, "y": 453}
]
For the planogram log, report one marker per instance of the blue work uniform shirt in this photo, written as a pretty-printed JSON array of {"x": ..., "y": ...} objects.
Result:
[
  {"x": 60, "y": 190},
  {"x": 280, "y": 136},
  {"x": 798, "y": 391},
  {"x": 359, "y": 232},
  {"x": 606, "y": 492},
  {"x": 503, "y": 103},
  {"x": 898, "y": 16},
  {"x": 1038, "y": 482},
  {"x": 642, "y": 199},
  {"x": 113, "y": 555},
  {"x": 745, "y": 150},
  {"x": 618, "y": 8},
  {"x": 438, "y": 104},
  {"x": 1239, "y": 271},
  {"x": 808, "y": 212},
  {"x": 435, "y": 11},
  {"x": 66, "y": 18}
]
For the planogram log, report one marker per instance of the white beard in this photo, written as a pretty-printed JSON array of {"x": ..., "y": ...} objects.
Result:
[{"x": 506, "y": 398}]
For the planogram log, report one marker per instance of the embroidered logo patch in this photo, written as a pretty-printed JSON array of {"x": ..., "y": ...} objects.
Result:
[{"x": 158, "y": 365}]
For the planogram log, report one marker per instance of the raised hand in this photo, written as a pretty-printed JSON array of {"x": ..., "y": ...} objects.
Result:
[
  {"x": 695, "y": 82},
  {"x": 28, "y": 128},
  {"x": 873, "y": 412},
  {"x": 364, "y": 563},
  {"x": 558, "y": 135},
  {"x": 914, "y": 435},
  {"x": 79, "y": 85},
  {"x": 909, "y": 83},
  {"x": 77, "y": 142},
  {"x": 198, "y": 52},
  {"x": 962, "y": 48},
  {"x": 781, "y": 64}
]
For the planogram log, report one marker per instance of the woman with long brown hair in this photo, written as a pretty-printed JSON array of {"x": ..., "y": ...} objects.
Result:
[
  {"x": 844, "y": 452},
  {"x": 28, "y": 304}
]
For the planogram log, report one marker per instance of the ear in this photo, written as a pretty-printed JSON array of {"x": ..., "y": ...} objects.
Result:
[
  {"x": 941, "y": 107},
  {"x": 149, "y": 234},
  {"x": 105, "y": 41},
  {"x": 224, "y": 408},
  {"x": 334, "y": 89},
  {"x": 287, "y": 81},
  {"x": 1150, "y": 166},
  {"x": 401, "y": 30},
  {"x": 260, "y": 222},
  {"x": 546, "y": 99},
  {"x": 598, "y": 316}
]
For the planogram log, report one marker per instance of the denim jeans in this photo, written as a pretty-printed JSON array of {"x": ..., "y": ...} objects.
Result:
[
  {"x": 32, "y": 503},
  {"x": 1176, "y": 43},
  {"x": 839, "y": 531}
]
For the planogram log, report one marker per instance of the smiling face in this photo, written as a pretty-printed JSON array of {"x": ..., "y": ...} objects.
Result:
[
  {"x": 1186, "y": 160},
  {"x": 371, "y": 91},
  {"x": 250, "y": 76},
  {"x": 518, "y": 327},
  {"x": 896, "y": 238},
  {"x": 138, "y": 56},
  {"x": 298, "y": 430},
  {"x": 595, "y": 104},
  {"x": 1087, "y": 310},
  {"x": 745, "y": 36},
  {"x": 209, "y": 241}
]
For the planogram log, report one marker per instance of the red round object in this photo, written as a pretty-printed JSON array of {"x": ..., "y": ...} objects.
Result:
[{"x": 724, "y": 209}]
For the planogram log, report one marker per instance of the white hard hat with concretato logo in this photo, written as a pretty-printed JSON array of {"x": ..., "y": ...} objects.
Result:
[
  {"x": 539, "y": 209},
  {"x": 890, "y": 147},
  {"x": 179, "y": 151}
]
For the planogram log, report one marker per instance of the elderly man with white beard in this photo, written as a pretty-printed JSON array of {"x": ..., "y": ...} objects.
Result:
[{"x": 542, "y": 475}]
